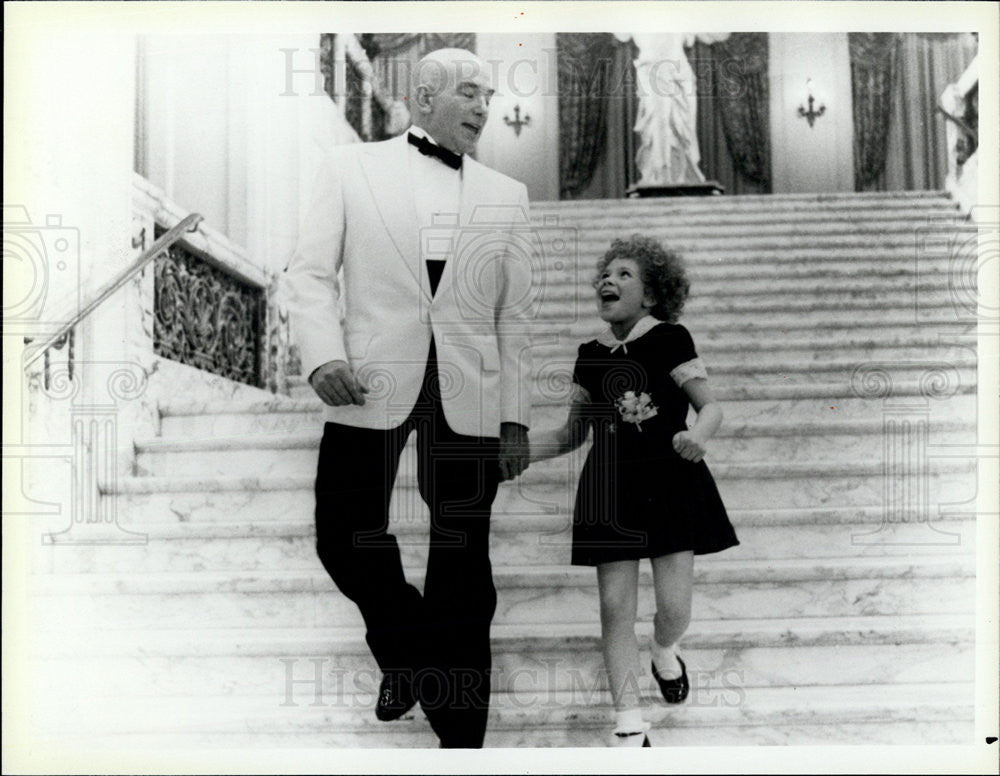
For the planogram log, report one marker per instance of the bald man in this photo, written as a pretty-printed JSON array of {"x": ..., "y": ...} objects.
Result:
[{"x": 432, "y": 341}]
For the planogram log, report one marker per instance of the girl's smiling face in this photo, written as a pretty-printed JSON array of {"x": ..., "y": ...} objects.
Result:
[{"x": 621, "y": 296}]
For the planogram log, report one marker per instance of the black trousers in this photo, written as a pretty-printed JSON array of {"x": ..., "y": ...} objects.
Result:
[{"x": 441, "y": 638}]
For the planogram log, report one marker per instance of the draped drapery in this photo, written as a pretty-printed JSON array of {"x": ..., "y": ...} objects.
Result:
[
  {"x": 916, "y": 148},
  {"x": 733, "y": 111},
  {"x": 585, "y": 79},
  {"x": 873, "y": 74},
  {"x": 614, "y": 168}
]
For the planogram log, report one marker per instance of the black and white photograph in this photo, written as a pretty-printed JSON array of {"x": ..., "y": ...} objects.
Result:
[{"x": 550, "y": 378}]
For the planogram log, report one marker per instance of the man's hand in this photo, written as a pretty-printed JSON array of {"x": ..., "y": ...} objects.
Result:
[
  {"x": 689, "y": 445},
  {"x": 335, "y": 384},
  {"x": 514, "y": 450}
]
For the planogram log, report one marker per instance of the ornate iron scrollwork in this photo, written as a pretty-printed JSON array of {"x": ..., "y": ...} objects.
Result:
[{"x": 206, "y": 318}]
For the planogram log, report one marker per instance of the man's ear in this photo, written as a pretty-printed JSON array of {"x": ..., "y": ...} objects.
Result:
[{"x": 424, "y": 99}]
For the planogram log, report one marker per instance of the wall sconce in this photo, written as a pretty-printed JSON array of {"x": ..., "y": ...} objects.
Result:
[
  {"x": 517, "y": 123},
  {"x": 812, "y": 114}
]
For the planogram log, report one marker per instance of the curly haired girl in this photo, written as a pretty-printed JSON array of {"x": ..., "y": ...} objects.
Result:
[{"x": 644, "y": 491}]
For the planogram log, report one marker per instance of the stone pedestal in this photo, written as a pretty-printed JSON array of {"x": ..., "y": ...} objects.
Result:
[{"x": 705, "y": 189}]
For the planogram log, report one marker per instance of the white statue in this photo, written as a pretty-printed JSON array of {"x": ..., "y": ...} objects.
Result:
[{"x": 668, "y": 150}]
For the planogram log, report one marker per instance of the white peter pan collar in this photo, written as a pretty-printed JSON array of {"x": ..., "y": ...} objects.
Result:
[{"x": 643, "y": 325}]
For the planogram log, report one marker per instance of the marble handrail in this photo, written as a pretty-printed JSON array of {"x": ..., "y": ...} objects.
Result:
[
  {"x": 168, "y": 238},
  {"x": 397, "y": 112}
]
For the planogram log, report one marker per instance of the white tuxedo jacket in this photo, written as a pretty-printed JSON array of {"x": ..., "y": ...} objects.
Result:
[{"x": 362, "y": 220}]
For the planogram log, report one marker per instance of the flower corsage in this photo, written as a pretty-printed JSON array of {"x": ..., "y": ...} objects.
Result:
[{"x": 635, "y": 409}]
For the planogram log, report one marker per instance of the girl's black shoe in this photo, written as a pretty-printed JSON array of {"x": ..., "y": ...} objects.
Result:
[
  {"x": 673, "y": 690},
  {"x": 622, "y": 736}
]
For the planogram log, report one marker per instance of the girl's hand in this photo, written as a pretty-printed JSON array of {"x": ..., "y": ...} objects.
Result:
[{"x": 689, "y": 446}]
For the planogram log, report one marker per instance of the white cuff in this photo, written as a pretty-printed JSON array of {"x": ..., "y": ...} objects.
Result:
[{"x": 688, "y": 370}]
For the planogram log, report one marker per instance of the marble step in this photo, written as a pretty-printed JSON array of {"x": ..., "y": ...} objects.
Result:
[
  {"x": 524, "y": 720},
  {"x": 957, "y": 257},
  {"x": 866, "y": 199},
  {"x": 242, "y": 544},
  {"x": 553, "y": 366},
  {"x": 811, "y": 403},
  {"x": 541, "y": 595},
  {"x": 717, "y": 267},
  {"x": 828, "y": 309},
  {"x": 935, "y": 215},
  {"x": 768, "y": 351},
  {"x": 168, "y": 501},
  {"x": 679, "y": 231},
  {"x": 894, "y": 328},
  {"x": 759, "y": 485},
  {"x": 380, "y": 741},
  {"x": 770, "y": 348},
  {"x": 791, "y": 296},
  {"x": 554, "y": 386},
  {"x": 734, "y": 207},
  {"x": 767, "y": 354},
  {"x": 276, "y": 454},
  {"x": 817, "y": 403},
  {"x": 552, "y": 377},
  {"x": 568, "y": 241},
  {"x": 290, "y": 664},
  {"x": 788, "y": 261},
  {"x": 770, "y": 292},
  {"x": 756, "y": 328},
  {"x": 718, "y": 276}
]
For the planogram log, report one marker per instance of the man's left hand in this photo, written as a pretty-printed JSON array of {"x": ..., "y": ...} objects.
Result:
[{"x": 514, "y": 450}]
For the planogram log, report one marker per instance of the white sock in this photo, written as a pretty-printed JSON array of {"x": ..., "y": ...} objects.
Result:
[
  {"x": 665, "y": 660},
  {"x": 630, "y": 721}
]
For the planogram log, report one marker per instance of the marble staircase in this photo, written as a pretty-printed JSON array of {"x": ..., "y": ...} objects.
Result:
[{"x": 828, "y": 323}]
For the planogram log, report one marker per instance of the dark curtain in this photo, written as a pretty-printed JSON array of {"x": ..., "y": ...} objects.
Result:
[
  {"x": 733, "y": 112},
  {"x": 873, "y": 74},
  {"x": 586, "y": 64},
  {"x": 615, "y": 168},
  {"x": 916, "y": 149}
]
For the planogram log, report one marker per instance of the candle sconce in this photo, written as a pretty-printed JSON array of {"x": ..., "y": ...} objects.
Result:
[
  {"x": 517, "y": 123},
  {"x": 812, "y": 114}
]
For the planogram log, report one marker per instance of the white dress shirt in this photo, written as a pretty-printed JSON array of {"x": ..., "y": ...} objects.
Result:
[{"x": 437, "y": 188}]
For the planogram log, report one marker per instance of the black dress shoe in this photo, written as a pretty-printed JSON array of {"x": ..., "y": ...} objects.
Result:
[
  {"x": 673, "y": 690},
  {"x": 396, "y": 696},
  {"x": 645, "y": 738}
]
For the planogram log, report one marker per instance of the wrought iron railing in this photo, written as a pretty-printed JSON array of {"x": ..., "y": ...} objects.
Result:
[{"x": 207, "y": 318}]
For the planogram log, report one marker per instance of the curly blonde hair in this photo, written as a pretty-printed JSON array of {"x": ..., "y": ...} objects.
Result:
[{"x": 662, "y": 270}]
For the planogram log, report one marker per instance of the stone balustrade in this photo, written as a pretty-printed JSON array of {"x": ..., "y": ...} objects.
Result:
[{"x": 960, "y": 100}]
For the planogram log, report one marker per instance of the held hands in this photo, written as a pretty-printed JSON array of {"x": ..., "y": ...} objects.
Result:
[
  {"x": 689, "y": 445},
  {"x": 514, "y": 450},
  {"x": 336, "y": 385}
]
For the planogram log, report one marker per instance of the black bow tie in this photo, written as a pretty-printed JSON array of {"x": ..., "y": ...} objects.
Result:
[{"x": 427, "y": 148}]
